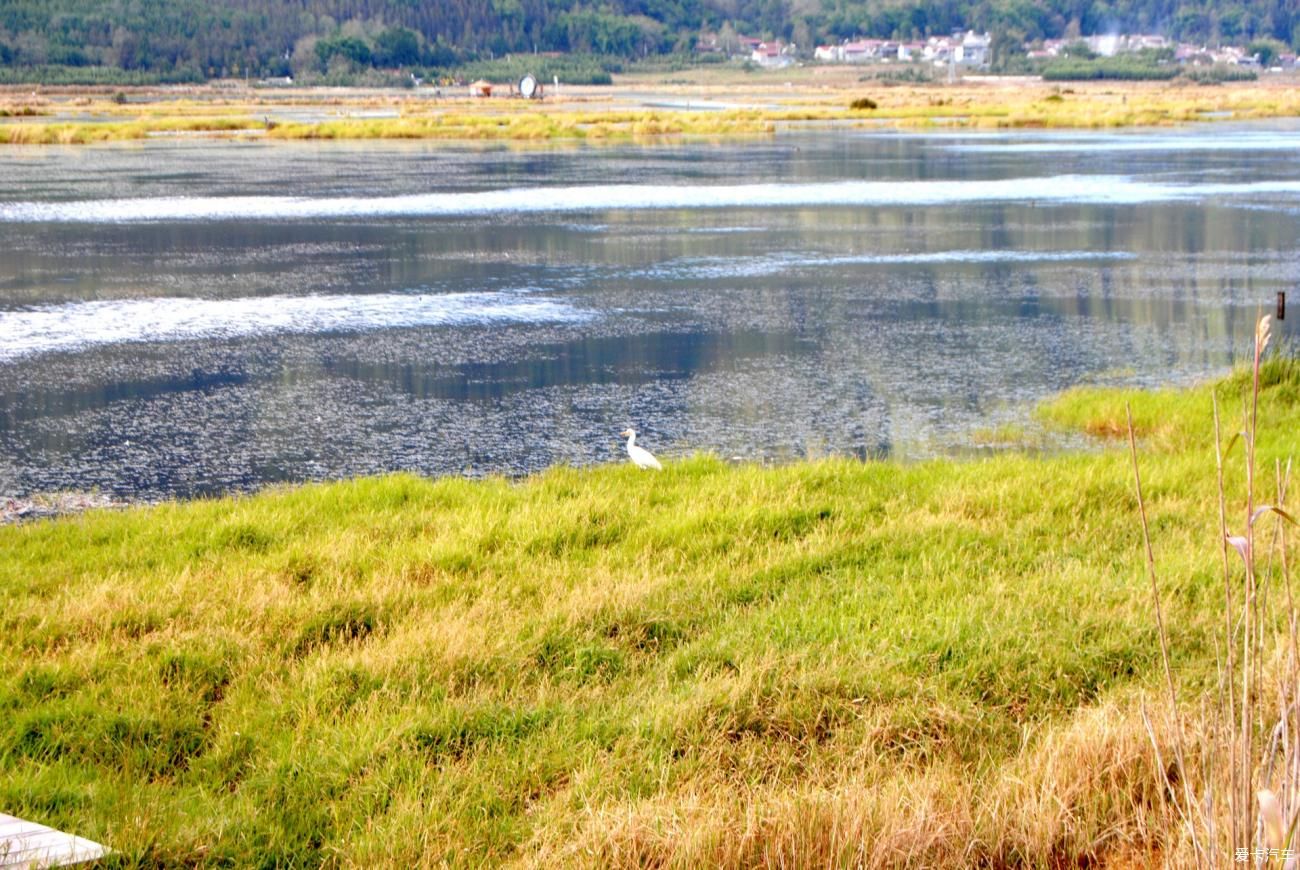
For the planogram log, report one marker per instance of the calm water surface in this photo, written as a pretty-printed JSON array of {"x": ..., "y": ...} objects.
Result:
[{"x": 197, "y": 317}]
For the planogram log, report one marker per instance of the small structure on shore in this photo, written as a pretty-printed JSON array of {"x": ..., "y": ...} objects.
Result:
[
  {"x": 26, "y": 844},
  {"x": 530, "y": 88}
]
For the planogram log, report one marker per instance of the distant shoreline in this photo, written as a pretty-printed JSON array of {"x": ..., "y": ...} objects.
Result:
[{"x": 709, "y": 104}]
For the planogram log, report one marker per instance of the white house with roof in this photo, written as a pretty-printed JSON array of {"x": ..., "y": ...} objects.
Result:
[
  {"x": 908, "y": 51},
  {"x": 973, "y": 50},
  {"x": 861, "y": 51},
  {"x": 938, "y": 49},
  {"x": 970, "y": 49},
  {"x": 773, "y": 55},
  {"x": 1142, "y": 41}
]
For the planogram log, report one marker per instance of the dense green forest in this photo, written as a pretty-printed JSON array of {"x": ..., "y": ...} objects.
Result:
[{"x": 193, "y": 39}]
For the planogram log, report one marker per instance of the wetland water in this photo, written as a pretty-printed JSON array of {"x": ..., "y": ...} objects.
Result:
[{"x": 186, "y": 318}]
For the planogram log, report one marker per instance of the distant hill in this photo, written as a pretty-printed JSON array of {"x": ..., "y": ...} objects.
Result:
[{"x": 196, "y": 39}]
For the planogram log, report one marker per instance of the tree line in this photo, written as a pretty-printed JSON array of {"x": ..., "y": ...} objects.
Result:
[{"x": 197, "y": 39}]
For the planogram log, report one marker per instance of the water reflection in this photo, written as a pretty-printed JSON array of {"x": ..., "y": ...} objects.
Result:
[
  {"x": 186, "y": 355},
  {"x": 632, "y": 360}
]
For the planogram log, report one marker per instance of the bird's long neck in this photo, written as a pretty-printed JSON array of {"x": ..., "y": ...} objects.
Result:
[{"x": 631, "y": 438}]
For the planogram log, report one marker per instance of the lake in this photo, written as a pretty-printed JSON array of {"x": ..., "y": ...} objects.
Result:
[{"x": 182, "y": 318}]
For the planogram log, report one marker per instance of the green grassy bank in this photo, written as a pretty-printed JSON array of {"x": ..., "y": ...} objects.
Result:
[{"x": 830, "y": 662}]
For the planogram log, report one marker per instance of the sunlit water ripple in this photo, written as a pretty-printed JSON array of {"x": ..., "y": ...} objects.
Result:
[
  {"x": 712, "y": 268},
  {"x": 75, "y": 326},
  {"x": 1072, "y": 143},
  {"x": 1091, "y": 189}
]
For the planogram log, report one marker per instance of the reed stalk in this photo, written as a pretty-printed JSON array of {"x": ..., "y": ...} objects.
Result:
[{"x": 1250, "y": 742}]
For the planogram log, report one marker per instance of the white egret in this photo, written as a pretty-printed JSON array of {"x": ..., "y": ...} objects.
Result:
[{"x": 641, "y": 457}]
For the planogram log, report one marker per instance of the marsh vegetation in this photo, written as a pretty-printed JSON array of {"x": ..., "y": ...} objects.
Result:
[
  {"x": 596, "y": 115},
  {"x": 938, "y": 663}
]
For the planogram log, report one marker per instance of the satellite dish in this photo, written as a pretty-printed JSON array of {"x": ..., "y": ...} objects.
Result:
[{"x": 527, "y": 87}]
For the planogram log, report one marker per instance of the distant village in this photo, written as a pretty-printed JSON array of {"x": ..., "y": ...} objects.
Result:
[{"x": 971, "y": 50}]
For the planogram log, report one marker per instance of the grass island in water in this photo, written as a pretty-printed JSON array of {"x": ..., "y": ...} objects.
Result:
[{"x": 638, "y": 108}]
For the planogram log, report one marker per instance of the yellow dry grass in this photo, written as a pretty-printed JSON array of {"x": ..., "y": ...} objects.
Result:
[
  {"x": 639, "y": 107},
  {"x": 1042, "y": 806}
]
